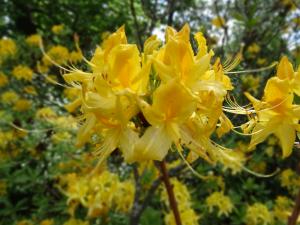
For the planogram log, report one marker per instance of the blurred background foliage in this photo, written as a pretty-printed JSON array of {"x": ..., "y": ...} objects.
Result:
[{"x": 44, "y": 177}]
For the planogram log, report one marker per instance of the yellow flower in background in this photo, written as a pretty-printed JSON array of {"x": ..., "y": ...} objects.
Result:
[
  {"x": 3, "y": 79},
  {"x": 75, "y": 57},
  {"x": 47, "y": 222},
  {"x": 253, "y": 48},
  {"x": 98, "y": 192},
  {"x": 233, "y": 160},
  {"x": 9, "y": 97},
  {"x": 289, "y": 179},
  {"x": 59, "y": 54},
  {"x": 187, "y": 214},
  {"x": 7, "y": 48},
  {"x": 258, "y": 214},
  {"x": 22, "y": 72},
  {"x": 283, "y": 208},
  {"x": 261, "y": 61},
  {"x": 22, "y": 105},
  {"x": 251, "y": 83},
  {"x": 34, "y": 40},
  {"x": 24, "y": 222},
  {"x": 5, "y": 138},
  {"x": 73, "y": 221},
  {"x": 218, "y": 22},
  {"x": 188, "y": 217},
  {"x": 45, "y": 113},
  {"x": 221, "y": 202},
  {"x": 41, "y": 68},
  {"x": 57, "y": 29}
]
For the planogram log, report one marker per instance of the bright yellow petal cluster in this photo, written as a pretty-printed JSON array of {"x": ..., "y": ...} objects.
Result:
[
  {"x": 221, "y": 202},
  {"x": 57, "y": 29},
  {"x": 3, "y": 79},
  {"x": 34, "y": 40},
  {"x": 22, "y": 72},
  {"x": 258, "y": 214},
  {"x": 7, "y": 48},
  {"x": 172, "y": 91},
  {"x": 97, "y": 192},
  {"x": 58, "y": 53}
]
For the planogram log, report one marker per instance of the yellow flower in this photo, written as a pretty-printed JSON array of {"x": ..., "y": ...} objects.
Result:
[
  {"x": 34, "y": 40},
  {"x": 41, "y": 68},
  {"x": 73, "y": 221},
  {"x": 75, "y": 57},
  {"x": 57, "y": 29},
  {"x": 9, "y": 97},
  {"x": 165, "y": 113},
  {"x": 251, "y": 83},
  {"x": 98, "y": 192},
  {"x": 232, "y": 160},
  {"x": 22, "y": 105},
  {"x": 289, "y": 179},
  {"x": 45, "y": 113},
  {"x": 7, "y": 48},
  {"x": 3, "y": 79},
  {"x": 283, "y": 208},
  {"x": 60, "y": 137},
  {"x": 276, "y": 114},
  {"x": 24, "y": 222},
  {"x": 47, "y": 222},
  {"x": 261, "y": 61},
  {"x": 253, "y": 48},
  {"x": 59, "y": 54},
  {"x": 22, "y": 72},
  {"x": 221, "y": 202},
  {"x": 218, "y": 22},
  {"x": 258, "y": 214},
  {"x": 188, "y": 217}
]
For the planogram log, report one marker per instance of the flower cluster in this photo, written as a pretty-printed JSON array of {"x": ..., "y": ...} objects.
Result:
[
  {"x": 99, "y": 193},
  {"x": 144, "y": 102}
]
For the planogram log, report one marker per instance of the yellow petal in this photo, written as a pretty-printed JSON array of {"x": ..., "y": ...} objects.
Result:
[
  {"x": 260, "y": 133},
  {"x": 153, "y": 145},
  {"x": 276, "y": 90},
  {"x": 285, "y": 69},
  {"x": 85, "y": 130},
  {"x": 286, "y": 134}
]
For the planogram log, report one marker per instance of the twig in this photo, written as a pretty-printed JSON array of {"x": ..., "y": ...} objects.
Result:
[
  {"x": 169, "y": 188},
  {"x": 139, "y": 206},
  {"x": 296, "y": 211},
  {"x": 136, "y": 24}
]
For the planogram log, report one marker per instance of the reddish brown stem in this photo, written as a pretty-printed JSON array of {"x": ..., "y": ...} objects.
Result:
[
  {"x": 293, "y": 218},
  {"x": 169, "y": 188}
]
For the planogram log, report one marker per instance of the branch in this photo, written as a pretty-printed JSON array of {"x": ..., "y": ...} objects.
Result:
[
  {"x": 136, "y": 24},
  {"x": 170, "y": 191},
  {"x": 138, "y": 206},
  {"x": 296, "y": 211}
]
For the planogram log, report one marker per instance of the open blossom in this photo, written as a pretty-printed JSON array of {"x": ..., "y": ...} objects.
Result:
[{"x": 276, "y": 112}]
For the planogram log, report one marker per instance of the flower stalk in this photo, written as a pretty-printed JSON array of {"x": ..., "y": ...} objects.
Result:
[
  {"x": 169, "y": 188},
  {"x": 296, "y": 211}
]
